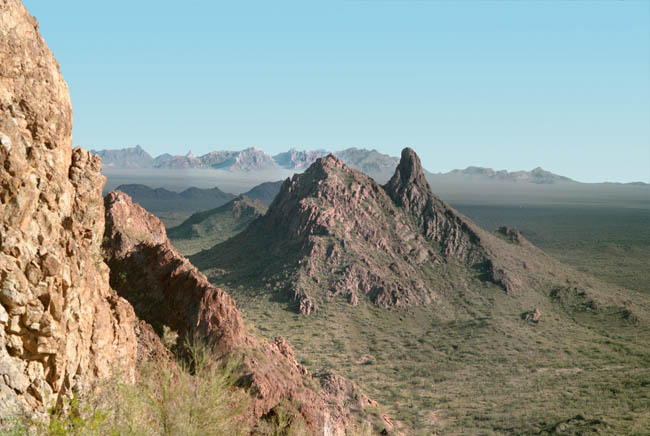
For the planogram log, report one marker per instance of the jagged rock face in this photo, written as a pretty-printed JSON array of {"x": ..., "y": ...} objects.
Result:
[
  {"x": 340, "y": 233},
  {"x": 343, "y": 233},
  {"x": 438, "y": 222},
  {"x": 61, "y": 326},
  {"x": 163, "y": 286},
  {"x": 165, "y": 289}
]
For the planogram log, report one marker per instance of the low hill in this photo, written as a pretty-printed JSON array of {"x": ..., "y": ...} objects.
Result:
[
  {"x": 264, "y": 192},
  {"x": 174, "y": 207},
  {"x": 204, "y": 229}
]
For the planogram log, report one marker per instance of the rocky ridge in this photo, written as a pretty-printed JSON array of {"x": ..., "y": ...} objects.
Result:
[
  {"x": 340, "y": 233},
  {"x": 298, "y": 159},
  {"x": 61, "y": 326},
  {"x": 161, "y": 199},
  {"x": 166, "y": 290}
]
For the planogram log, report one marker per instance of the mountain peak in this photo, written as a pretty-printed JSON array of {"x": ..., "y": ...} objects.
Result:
[
  {"x": 337, "y": 232},
  {"x": 329, "y": 161}
]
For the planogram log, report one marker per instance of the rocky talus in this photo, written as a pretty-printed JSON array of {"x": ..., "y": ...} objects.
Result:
[
  {"x": 61, "y": 326},
  {"x": 167, "y": 290}
]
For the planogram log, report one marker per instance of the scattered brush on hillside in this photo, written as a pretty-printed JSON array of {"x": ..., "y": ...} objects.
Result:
[
  {"x": 456, "y": 329},
  {"x": 191, "y": 395}
]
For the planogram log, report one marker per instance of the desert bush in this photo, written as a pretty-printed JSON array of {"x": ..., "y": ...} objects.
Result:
[{"x": 194, "y": 396}]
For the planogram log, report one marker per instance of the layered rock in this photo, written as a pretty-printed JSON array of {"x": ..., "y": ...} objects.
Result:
[
  {"x": 166, "y": 290},
  {"x": 61, "y": 326}
]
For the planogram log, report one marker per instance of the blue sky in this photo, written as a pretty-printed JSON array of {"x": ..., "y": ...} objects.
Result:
[{"x": 509, "y": 85}]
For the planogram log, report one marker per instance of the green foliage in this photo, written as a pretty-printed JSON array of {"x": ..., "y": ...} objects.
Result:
[
  {"x": 192, "y": 397},
  {"x": 79, "y": 419}
]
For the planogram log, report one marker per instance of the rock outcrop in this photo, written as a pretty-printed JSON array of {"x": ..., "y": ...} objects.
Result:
[
  {"x": 512, "y": 235},
  {"x": 61, "y": 326},
  {"x": 436, "y": 220},
  {"x": 161, "y": 284},
  {"x": 167, "y": 290}
]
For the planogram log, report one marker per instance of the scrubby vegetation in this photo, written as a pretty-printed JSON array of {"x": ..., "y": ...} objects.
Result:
[
  {"x": 608, "y": 241},
  {"x": 483, "y": 371},
  {"x": 192, "y": 395}
]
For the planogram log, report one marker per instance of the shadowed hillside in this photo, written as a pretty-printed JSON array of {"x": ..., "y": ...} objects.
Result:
[{"x": 205, "y": 229}]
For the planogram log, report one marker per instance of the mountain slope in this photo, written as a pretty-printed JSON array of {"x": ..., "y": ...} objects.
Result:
[
  {"x": 167, "y": 290},
  {"x": 346, "y": 235},
  {"x": 485, "y": 334},
  {"x": 264, "y": 192},
  {"x": 204, "y": 229}
]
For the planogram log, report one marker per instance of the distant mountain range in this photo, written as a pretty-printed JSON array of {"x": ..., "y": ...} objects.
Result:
[
  {"x": 249, "y": 159},
  {"x": 175, "y": 207},
  {"x": 378, "y": 165},
  {"x": 537, "y": 175}
]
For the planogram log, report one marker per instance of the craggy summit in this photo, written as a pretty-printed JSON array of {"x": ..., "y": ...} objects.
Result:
[{"x": 333, "y": 230}]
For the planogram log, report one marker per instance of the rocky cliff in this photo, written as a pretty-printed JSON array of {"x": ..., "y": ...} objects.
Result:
[
  {"x": 163, "y": 287},
  {"x": 61, "y": 326},
  {"x": 166, "y": 290}
]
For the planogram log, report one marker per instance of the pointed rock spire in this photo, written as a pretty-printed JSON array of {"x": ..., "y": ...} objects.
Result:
[
  {"x": 409, "y": 169},
  {"x": 408, "y": 187}
]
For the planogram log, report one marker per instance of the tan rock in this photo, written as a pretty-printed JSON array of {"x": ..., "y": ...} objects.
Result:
[{"x": 57, "y": 311}]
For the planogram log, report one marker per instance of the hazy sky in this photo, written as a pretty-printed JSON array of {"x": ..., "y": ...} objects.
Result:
[{"x": 514, "y": 85}]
